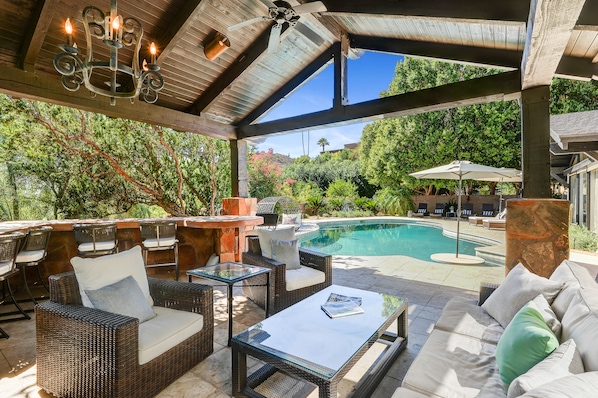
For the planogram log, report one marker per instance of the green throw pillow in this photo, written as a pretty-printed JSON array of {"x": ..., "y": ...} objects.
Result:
[{"x": 527, "y": 340}]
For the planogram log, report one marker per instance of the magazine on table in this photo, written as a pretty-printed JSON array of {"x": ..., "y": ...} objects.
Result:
[{"x": 339, "y": 305}]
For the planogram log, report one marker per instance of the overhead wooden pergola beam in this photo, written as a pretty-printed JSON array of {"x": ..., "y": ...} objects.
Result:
[
  {"x": 29, "y": 85},
  {"x": 549, "y": 28},
  {"x": 503, "y": 86},
  {"x": 293, "y": 84},
  {"x": 36, "y": 33},
  {"x": 507, "y": 10},
  {"x": 573, "y": 147},
  {"x": 184, "y": 20}
]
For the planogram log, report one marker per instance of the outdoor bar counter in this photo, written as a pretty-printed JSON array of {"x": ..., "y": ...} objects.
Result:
[{"x": 199, "y": 238}]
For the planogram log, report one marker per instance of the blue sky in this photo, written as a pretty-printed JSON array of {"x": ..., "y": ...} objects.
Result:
[{"x": 367, "y": 77}]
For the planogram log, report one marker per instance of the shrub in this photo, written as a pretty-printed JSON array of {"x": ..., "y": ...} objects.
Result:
[
  {"x": 315, "y": 204},
  {"x": 580, "y": 238},
  {"x": 342, "y": 189},
  {"x": 352, "y": 213},
  {"x": 394, "y": 202}
]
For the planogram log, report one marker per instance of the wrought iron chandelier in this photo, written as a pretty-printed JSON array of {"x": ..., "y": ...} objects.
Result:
[{"x": 116, "y": 33}]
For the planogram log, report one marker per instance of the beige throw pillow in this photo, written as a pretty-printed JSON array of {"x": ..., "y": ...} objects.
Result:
[
  {"x": 266, "y": 235},
  {"x": 540, "y": 304},
  {"x": 519, "y": 287}
]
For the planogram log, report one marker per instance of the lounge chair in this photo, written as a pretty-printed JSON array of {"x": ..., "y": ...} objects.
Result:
[
  {"x": 487, "y": 212},
  {"x": 422, "y": 210},
  {"x": 498, "y": 222},
  {"x": 439, "y": 210},
  {"x": 466, "y": 210}
]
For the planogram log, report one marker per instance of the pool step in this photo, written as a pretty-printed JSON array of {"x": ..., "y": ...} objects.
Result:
[{"x": 494, "y": 255}]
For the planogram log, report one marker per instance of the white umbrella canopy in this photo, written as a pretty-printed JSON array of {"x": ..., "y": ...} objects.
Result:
[{"x": 465, "y": 170}]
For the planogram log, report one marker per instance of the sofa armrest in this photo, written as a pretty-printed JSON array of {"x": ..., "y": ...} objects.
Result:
[
  {"x": 486, "y": 289},
  {"x": 183, "y": 296}
]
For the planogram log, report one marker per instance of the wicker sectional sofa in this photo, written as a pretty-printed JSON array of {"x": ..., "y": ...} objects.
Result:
[{"x": 459, "y": 358}]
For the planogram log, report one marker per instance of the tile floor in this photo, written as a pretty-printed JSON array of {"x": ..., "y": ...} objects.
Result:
[{"x": 427, "y": 286}]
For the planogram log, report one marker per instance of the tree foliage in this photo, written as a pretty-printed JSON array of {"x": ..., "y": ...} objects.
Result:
[
  {"x": 84, "y": 165},
  {"x": 486, "y": 133},
  {"x": 265, "y": 176}
]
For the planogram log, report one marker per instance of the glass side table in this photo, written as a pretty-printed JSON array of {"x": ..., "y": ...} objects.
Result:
[{"x": 231, "y": 273}]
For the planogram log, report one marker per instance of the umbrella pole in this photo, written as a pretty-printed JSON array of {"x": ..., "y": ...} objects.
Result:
[{"x": 458, "y": 217}]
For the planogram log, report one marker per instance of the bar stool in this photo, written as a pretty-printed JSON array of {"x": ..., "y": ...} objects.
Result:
[
  {"x": 34, "y": 251},
  {"x": 10, "y": 245},
  {"x": 160, "y": 235},
  {"x": 95, "y": 239}
]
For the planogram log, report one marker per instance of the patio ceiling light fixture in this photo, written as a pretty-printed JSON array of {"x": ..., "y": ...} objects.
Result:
[{"x": 116, "y": 33}]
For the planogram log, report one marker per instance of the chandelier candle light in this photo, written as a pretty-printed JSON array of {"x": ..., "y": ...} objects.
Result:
[{"x": 116, "y": 33}]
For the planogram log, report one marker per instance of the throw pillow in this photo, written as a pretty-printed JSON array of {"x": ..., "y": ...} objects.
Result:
[
  {"x": 564, "y": 361},
  {"x": 289, "y": 219},
  {"x": 527, "y": 340},
  {"x": 95, "y": 273},
  {"x": 213, "y": 260},
  {"x": 266, "y": 235},
  {"x": 519, "y": 287},
  {"x": 123, "y": 297},
  {"x": 577, "y": 386},
  {"x": 548, "y": 314},
  {"x": 287, "y": 252}
]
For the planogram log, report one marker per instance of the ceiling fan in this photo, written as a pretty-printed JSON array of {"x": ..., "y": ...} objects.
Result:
[{"x": 282, "y": 12}]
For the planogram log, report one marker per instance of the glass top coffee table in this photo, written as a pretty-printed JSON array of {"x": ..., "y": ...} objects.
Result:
[
  {"x": 304, "y": 342},
  {"x": 231, "y": 273}
]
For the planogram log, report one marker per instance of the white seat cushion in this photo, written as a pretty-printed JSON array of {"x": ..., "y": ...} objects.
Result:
[
  {"x": 303, "y": 277},
  {"x": 164, "y": 242},
  {"x": 166, "y": 330},
  {"x": 5, "y": 267},
  {"x": 454, "y": 365},
  {"x": 464, "y": 316},
  {"x": 29, "y": 256},
  {"x": 100, "y": 246}
]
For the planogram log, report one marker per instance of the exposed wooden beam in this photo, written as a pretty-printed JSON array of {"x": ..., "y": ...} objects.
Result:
[
  {"x": 507, "y": 10},
  {"x": 177, "y": 28},
  {"x": 18, "y": 83},
  {"x": 244, "y": 61},
  {"x": 294, "y": 83},
  {"x": 35, "y": 34},
  {"x": 573, "y": 147},
  {"x": 503, "y": 86},
  {"x": 549, "y": 28}
]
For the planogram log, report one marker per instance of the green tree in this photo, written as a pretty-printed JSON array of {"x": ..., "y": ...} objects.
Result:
[
  {"x": 323, "y": 142},
  {"x": 265, "y": 176}
]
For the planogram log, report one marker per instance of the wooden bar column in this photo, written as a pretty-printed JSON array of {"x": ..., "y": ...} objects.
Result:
[
  {"x": 237, "y": 207},
  {"x": 537, "y": 234},
  {"x": 535, "y": 142}
]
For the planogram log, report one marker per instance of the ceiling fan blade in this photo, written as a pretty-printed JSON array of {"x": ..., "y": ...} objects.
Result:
[
  {"x": 314, "y": 6},
  {"x": 268, "y": 3},
  {"x": 248, "y": 22},
  {"x": 274, "y": 38},
  {"x": 310, "y": 34}
]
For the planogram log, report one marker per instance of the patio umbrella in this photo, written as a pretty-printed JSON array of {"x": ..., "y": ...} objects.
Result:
[{"x": 464, "y": 170}]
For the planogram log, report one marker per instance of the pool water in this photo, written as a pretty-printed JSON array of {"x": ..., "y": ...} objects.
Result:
[{"x": 383, "y": 239}]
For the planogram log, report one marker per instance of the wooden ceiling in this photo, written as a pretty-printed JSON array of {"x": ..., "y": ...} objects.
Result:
[{"x": 225, "y": 98}]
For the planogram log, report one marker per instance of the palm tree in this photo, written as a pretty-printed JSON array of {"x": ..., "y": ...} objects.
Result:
[{"x": 323, "y": 142}]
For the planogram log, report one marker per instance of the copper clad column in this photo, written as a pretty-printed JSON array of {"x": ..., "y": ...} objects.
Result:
[{"x": 537, "y": 234}]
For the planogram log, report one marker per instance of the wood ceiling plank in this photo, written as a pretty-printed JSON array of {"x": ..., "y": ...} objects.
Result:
[
  {"x": 28, "y": 85},
  {"x": 548, "y": 30},
  {"x": 503, "y": 86},
  {"x": 178, "y": 28}
]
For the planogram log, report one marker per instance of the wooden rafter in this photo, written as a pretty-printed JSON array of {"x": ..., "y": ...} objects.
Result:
[
  {"x": 485, "y": 89},
  {"x": 36, "y": 33},
  {"x": 179, "y": 27},
  {"x": 28, "y": 85},
  {"x": 548, "y": 31}
]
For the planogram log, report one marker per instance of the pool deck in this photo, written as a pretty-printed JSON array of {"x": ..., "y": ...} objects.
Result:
[{"x": 427, "y": 285}]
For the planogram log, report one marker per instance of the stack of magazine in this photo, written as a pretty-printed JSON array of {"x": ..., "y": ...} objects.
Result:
[{"x": 339, "y": 305}]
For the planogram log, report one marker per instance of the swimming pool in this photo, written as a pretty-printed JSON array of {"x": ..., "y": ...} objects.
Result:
[{"x": 383, "y": 238}]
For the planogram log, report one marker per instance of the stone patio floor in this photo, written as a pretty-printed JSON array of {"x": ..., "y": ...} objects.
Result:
[{"x": 426, "y": 285}]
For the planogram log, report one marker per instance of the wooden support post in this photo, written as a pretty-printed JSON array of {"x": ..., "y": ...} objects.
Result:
[
  {"x": 341, "y": 96},
  {"x": 535, "y": 142},
  {"x": 238, "y": 159}
]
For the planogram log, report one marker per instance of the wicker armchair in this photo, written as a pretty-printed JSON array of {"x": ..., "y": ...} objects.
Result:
[
  {"x": 280, "y": 298},
  {"x": 85, "y": 352}
]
